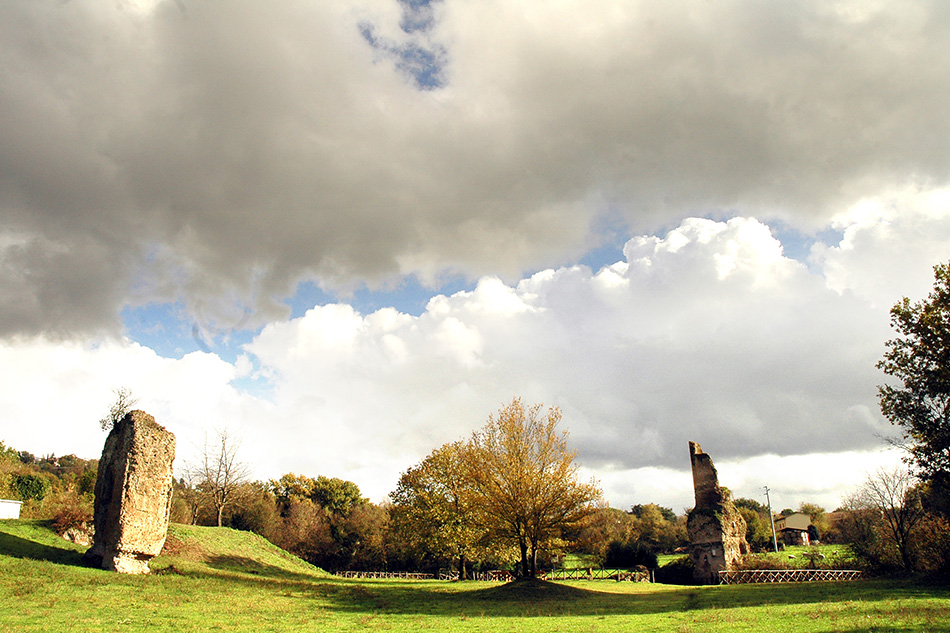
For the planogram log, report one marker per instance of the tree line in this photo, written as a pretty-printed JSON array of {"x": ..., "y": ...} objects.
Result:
[{"x": 510, "y": 493}]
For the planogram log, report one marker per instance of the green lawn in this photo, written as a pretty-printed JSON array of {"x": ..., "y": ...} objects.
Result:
[
  {"x": 222, "y": 580},
  {"x": 798, "y": 556}
]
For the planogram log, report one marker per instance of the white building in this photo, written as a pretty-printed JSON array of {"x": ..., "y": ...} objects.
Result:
[{"x": 10, "y": 509}]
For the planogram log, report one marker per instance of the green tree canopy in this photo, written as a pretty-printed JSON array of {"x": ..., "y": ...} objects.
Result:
[
  {"x": 335, "y": 495},
  {"x": 433, "y": 505},
  {"x": 919, "y": 358},
  {"x": 28, "y": 486}
]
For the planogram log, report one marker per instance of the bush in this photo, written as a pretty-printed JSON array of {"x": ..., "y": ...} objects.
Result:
[
  {"x": 29, "y": 487},
  {"x": 678, "y": 571},
  {"x": 629, "y": 555},
  {"x": 71, "y": 517},
  {"x": 765, "y": 561}
]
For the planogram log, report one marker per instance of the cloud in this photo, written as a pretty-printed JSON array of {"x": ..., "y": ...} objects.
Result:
[
  {"x": 891, "y": 241},
  {"x": 706, "y": 333},
  {"x": 222, "y": 152},
  {"x": 55, "y": 393}
]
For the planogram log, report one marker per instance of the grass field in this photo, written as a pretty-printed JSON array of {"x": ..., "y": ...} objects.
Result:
[{"x": 213, "y": 579}]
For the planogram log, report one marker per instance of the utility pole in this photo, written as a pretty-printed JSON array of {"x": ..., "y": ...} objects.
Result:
[{"x": 771, "y": 518}]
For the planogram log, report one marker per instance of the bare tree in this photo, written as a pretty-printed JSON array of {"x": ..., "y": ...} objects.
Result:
[
  {"x": 220, "y": 474},
  {"x": 124, "y": 401},
  {"x": 188, "y": 492},
  {"x": 894, "y": 497}
]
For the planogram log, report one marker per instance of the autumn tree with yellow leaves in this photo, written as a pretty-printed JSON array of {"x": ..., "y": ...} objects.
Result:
[
  {"x": 433, "y": 507},
  {"x": 525, "y": 482},
  {"x": 513, "y": 485}
]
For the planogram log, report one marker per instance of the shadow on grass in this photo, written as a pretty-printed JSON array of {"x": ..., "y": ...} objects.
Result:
[
  {"x": 547, "y": 599},
  {"x": 246, "y": 565},
  {"x": 24, "y": 548}
]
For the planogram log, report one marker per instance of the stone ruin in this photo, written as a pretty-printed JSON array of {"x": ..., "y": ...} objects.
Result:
[
  {"x": 133, "y": 495},
  {"x": 716, "y": 529}
]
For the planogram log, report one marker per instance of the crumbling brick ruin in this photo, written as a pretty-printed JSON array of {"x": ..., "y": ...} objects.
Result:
[
  {"x": 716, "y": 529},
  {"x": 133, "y": 495}
]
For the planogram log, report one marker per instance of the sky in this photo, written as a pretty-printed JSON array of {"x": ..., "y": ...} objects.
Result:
[{"x": 349, "y": 231}]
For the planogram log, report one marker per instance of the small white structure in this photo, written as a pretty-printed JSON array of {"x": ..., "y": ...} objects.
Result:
[{"x": 10, "y": 509}]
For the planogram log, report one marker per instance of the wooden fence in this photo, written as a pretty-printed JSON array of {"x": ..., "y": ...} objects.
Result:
[
  {"x": 786, "y": 575},
  {"x": 505, "y": 576},
  {"x": 400, "y": 575},
  {"x": 407, "y": 575},
  {"x": 595, "y": 574}
]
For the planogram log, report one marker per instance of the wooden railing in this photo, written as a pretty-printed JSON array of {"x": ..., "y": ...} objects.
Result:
[
  {"x": 495, "y": 575},
  {"x": 595, "y": 574},
  {"x": 400, "y": 575},
  {"x": 504, "y": 576},
  {"x": 786, "y": 575}
]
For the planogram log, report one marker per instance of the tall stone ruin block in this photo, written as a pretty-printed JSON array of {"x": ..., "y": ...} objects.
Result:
[
  {"x": 133, "y": 495},
  {"x": 715, "y": 527}
]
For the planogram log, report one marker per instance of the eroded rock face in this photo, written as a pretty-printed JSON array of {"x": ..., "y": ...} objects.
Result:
[
  {"x": 716, "y": 529},
  {"x": 133, "y": 495}
]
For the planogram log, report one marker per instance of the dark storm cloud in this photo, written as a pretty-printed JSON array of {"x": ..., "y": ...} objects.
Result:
[{"x": 230, "y": 149}]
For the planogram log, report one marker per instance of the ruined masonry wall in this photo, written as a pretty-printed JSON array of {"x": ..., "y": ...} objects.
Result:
[
  {"x": 715, "y": 527},
  {"x": 133, "y": 495}
]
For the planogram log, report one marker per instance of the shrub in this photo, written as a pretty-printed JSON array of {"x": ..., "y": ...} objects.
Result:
[
  {"x": 29, "y": 487},
  {"x": 678, "y": 571},
  {"x": 629, "y": 555},
  {"x": 71, "y": 517}
]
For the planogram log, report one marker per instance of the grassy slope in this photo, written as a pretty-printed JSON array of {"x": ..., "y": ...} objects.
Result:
[{"x": 223, "y": 580}]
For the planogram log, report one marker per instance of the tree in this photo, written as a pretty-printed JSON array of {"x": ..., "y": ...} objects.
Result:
[
  {"x": 881, "y": 520},
  {"x": 124, "y": 401},
  {"x": 894, "y": 495},
  {"x": 304, "y": 530},
  {"x": 605, "y": 526},
  {"x": 667, "y": 513},
  {"x": 817, "y": 517},
  {"x": 629, "y": 555},
  {"x": 920, "y": 359},
  {"x": 257, "y": 511},
  {"x": 525, "y": 480},
  {"x": 186, "y": 499},
  {"x": 659, "y": 527},
  {"x": 434, "y": 505},
  {"x": 338, "y": 496},
  {"x": 29, "y": 487},
  {"x": 367, "y": 526},
  {"x": 328, "y": 522},
  {"x": 292, "y": 486},
  {"x": 220, "y": 473},
  {"x": 758, "y": 533}
]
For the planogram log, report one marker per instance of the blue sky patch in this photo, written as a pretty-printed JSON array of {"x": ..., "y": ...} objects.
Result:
[
  {"x": 417, "y": 15},
  {"x": 419, "y": 58}
]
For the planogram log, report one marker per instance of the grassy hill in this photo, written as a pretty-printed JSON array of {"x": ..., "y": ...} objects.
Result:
[{"x": 214, "y": 579}]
